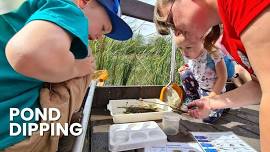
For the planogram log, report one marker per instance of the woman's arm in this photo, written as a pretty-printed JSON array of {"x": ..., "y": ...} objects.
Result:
[
  {"x": 257, "y": 43},
  {"x": 221, "y": 73},
  {"x": 41, "y": 50},
  {"x": 247, "y": 94}
]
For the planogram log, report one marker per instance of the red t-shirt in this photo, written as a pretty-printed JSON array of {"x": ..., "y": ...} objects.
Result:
[{"x": 236, "y": 15}]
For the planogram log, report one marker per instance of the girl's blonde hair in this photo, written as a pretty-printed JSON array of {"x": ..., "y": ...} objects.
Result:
[
  {"x": 211, "y": 39},
  {"x": 163, "y": 29}
]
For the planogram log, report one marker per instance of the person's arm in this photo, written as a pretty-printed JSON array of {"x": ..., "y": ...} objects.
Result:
[
  {"x": 257, "y": 43},
  {"x": 41, "y": 50},
  {"x": 247, "y": 94},
  {"x": 221, "y": 73}
]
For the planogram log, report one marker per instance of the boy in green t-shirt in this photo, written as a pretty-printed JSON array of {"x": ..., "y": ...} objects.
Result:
[{"x": 47, "y": 41}]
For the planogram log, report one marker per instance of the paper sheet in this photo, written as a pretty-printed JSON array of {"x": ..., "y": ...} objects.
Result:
[
  {"x": 175, "y": 147},
  {"x": 221, "y": 142}
]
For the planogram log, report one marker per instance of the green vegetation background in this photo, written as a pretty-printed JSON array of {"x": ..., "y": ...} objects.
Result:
[{"x": 138, "y": 61}]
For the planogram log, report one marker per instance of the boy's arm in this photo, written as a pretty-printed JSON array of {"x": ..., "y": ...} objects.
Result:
[
  {"x": 221, "y": 72},
  {"x": 41, "y": 50}
]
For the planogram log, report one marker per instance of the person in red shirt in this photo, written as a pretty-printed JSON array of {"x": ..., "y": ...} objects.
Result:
[{"x": 245, "y": 36}]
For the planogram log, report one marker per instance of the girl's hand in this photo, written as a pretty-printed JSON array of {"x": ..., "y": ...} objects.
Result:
[
  {"x": 183, "y": 68},
  {"x": 200, "y": 108},
  {"x": 211, "y": 94}
]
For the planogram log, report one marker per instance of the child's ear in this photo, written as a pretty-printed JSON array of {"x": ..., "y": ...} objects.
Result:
[{"x": 82, "y": 3}]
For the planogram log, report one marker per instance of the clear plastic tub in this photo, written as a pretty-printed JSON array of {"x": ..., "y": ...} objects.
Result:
[
  {"x": 120, "y": 117},
  {"x": 170, "y": 123}
]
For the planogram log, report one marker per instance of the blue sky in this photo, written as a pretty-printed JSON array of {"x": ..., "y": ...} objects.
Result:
[{"x": 143, "y": 27}]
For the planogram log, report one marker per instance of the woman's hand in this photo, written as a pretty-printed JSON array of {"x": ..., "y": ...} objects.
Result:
[{"x": 200, "y": 108}]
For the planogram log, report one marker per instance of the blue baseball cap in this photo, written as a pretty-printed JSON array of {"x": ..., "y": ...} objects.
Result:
[{"x": 120, "y": 29}]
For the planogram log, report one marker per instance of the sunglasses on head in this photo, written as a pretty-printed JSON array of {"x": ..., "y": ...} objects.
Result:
[{"x": 169, "y": 21}]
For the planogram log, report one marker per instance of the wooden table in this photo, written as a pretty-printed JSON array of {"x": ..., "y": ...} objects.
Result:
[{"x": 243, "y": 122}]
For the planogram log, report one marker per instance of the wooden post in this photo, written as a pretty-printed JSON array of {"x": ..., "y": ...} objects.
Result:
[{"x": 137, "y": 9}]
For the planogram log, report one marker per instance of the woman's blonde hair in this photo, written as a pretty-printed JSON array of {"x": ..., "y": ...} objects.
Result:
[
  {"x": 160, "y": 21},
  {"x": 163, "y": 29}
]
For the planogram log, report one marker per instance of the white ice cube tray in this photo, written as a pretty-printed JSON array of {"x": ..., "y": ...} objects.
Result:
[{"x": 135, "y": 135}]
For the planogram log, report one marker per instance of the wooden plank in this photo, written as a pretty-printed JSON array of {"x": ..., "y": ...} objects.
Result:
[
  {"x": 197, "y": 125},
  {"x": 250, "y": 113},
  {"x": 137, "y": 9},
  {"x": 250, "y": 110},
  {"x": 253, "y": 107},
  {"x": 243, "y": 123},
  {"x": 224, "y": 125},
  {"x": 99, "y": 139},
  {"x": 104, "y": 94},
  {"x": 100, "y": 116}
]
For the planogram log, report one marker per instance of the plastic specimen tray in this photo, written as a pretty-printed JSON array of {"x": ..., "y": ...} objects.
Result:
[
  {"x": 135, "y": 135},
  {"x": 120, "y": 117}
]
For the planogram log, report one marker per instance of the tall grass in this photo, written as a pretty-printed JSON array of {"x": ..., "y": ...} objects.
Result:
[{"x": 137, "y": 61}]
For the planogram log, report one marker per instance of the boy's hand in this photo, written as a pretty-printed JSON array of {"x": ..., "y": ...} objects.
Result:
[{"x": 85, "y": 66}]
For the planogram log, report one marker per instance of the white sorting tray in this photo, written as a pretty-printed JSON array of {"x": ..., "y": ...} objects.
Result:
[
  {"x": 120, "y": 117},
  {"x": 135, "y": 135}
]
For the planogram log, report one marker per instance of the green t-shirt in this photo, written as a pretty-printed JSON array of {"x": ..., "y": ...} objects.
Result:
[{"x": 16, "y": 90}]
